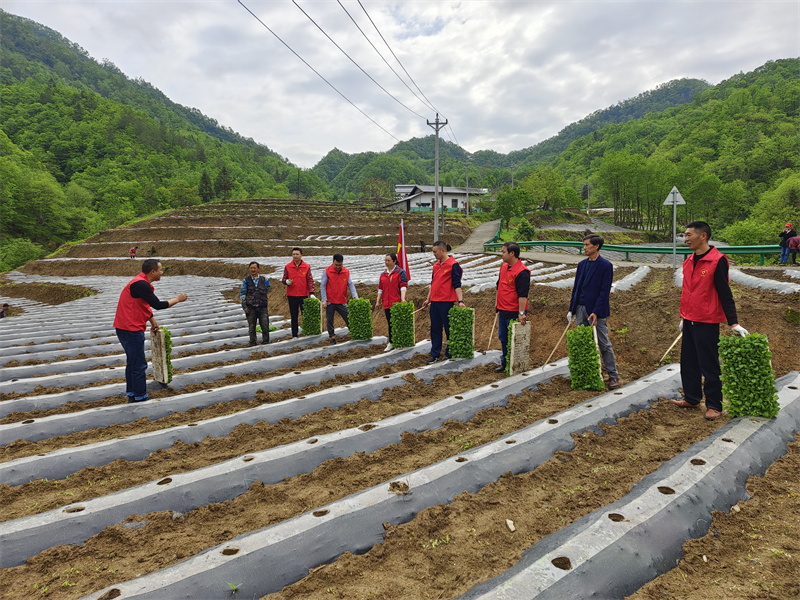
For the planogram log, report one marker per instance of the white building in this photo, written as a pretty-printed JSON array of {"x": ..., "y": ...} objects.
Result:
[{"x": 412, "y": 197}]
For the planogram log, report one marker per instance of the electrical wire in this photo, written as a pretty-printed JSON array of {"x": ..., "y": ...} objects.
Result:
[
  {"x": 353, "y": 61},
  {"x": 317, "y": 72},
  {"x": 430, "y": 104},
  {"x": 378, "y": 52}
]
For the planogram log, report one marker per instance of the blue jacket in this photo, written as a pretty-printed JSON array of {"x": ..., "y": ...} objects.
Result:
[{"x": 598, "y": 287}]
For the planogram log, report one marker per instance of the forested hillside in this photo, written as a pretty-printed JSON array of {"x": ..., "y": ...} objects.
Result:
[{"x": 85, "y": 148}]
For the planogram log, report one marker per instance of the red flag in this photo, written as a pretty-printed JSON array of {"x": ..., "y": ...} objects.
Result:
[{"x": 402, "y": 257}]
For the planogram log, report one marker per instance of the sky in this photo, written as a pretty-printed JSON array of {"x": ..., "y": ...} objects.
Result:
[{"x": 505, "y": 75}]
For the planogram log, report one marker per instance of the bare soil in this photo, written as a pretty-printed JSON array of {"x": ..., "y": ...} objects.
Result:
[
  {"x": 48, "y": 293},
  {"x": 131, "y": 268}
]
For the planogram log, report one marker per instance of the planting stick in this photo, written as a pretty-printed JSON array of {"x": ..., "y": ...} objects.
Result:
[
  {"x": 599, "y": 354},
  {"x": 558, "y": 343},
  {"x": 680, "y": 335},
  {"x": 489, "y": 343},
  {"x": 416, "y": 311}
]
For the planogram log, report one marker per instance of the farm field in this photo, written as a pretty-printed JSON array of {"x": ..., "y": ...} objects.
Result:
[{"x": 304, "y": 470}]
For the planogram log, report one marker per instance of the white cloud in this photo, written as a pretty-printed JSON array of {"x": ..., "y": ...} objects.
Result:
[{"x": 506, "y": 74}]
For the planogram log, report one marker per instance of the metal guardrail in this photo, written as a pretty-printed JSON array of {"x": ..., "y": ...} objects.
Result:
[{"x": 628, "y": 250}]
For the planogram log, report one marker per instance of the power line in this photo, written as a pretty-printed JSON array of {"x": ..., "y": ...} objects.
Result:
[
  {"x": 317, "y": 72},
  {"x": 430, "y": 104},
  {"x": 427, "y": 105},
  {"x": 354, "y": 62}
]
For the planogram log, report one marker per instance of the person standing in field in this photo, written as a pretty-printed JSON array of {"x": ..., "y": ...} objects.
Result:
[
  {"x": 785, "y": 235},
  {"x": 299, "y": 285},
  {"x": 253, "y": 295},
  {"x": 706, "y": 301},
  {"x": 133, "y": 313},
  {"x": 392, "y": 287},
  {"x": 132, "y": 251},
  {"x": 444, "y": 293},
  {"x": 589, "y": 303},
  {"x": 513, "y": 286},
  {"x": 333, "y": 287}
]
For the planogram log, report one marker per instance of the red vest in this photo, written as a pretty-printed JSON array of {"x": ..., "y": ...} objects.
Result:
[
  {"x": 133, "y": 313},
  {"x": 298, "y": 275},
  {"x": 337, "y": 285},
  {"x": 442, "y": 281},
  {"x": 699, "y": 299},
  {"x": 507, "y": 298},
  {"x": 390, "y": 284}
]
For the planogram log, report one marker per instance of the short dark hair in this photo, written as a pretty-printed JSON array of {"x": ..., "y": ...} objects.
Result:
[
  {"x": 338, "y": 257},
  {"x": 595, "y": 240},
  {"x": 252, "y": 262},
  {"x": 440, "y": 244},
  {"x": 513, "y": 248},
  {"x": 150, "y": 265},
  {"x": 298, "y": 249},
  {"x": 393, "y": 256},
  {"x": 702, "y": 227}
]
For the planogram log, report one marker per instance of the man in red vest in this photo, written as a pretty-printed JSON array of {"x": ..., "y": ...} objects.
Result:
[
  {"x": 513, "y": 286},
  {"x": 299, "y": 286},
  {"x": 445, "y": 292},
  {"x": 706, "y": 301},
  {"x": 133, "y": 313},
  {"x": 333, "y": 286}
]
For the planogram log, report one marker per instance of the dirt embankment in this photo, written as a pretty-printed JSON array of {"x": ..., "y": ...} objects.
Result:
[{"x": 48, "y": 293}]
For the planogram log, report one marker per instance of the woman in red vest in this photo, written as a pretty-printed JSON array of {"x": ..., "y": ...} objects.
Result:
[
  {"x": 133, "y": 313},
  {"x": 391, "y": 288}
]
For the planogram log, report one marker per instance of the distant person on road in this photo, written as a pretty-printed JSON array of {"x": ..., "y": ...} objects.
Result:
[
  {"x": 589, "y": 304},
  {"x": 794, "y": 248},
  {"x": 422, "y": 246},
  {"x": 706, "y": 301},
  {"x": 513, "y": 286},
  {"x": 392, "y": 288},
  {"x": 785, "y": 235},
  {"x": 132, "y": 251},
  {"x": 299, "y": 286},
  {"x": 253, "y": 295},
  {"x": 333, "y": 287},
  {"x": 444, "y": 293},
  {"x": 133, "y": 313}
]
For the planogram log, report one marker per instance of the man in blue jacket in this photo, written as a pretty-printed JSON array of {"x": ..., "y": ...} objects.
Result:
[{"x": 589, "y": 303}]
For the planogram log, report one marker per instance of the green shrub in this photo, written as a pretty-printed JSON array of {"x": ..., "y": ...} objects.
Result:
[
  {"x": 360, "y": 317},
  {"x": 168, "y": 351},
  {"x": 460, "y": 342},
  {"x": 748, "y": 381},
  {"x": 402, "y": 334},
  {"x": 525, "y": 231},
  {"x": 584, "y": 359},
  {"x": 312, "y": 320}
]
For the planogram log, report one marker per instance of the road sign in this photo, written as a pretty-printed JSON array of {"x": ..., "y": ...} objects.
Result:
[{"x": 674, "y": 198}]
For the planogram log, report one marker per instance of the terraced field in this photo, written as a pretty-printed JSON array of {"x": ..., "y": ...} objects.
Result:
[{"x": 304, "y": 470}]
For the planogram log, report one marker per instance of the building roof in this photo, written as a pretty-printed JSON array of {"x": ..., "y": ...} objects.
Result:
[{"x": 409, "y": 189}]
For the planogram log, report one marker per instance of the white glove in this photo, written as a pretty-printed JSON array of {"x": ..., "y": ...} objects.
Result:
[
  {"x": 313, "y": 296},
  {"x": 680, "y": 326},
  {"x": 740, "y": 330},
  {"x": 570, "y": 317}
]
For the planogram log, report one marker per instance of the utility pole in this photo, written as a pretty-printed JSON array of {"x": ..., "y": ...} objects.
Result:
[
  {"x": 467, "y": 205},
  {"x": 436, "y": 126}
]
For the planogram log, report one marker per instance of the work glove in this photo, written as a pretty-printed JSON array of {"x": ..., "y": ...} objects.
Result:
[
  {"x": 680, "y": 326},
  {"x": 740, "y": 330},
  {"x": 570, "y": 317},
  {"x": 313, "y": 296}
]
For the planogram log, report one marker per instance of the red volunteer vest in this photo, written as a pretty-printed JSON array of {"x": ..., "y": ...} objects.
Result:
[
  {"x": 699, "y": 298},
  {"x": 390, "y": 284},
  {"x": 337, "y": 285},
  {"x": 442, "y": 282},
  {"x": 298, "y": 276},
  {"x": 507, "y": 298},
  {"x": 133, "y": 313}
]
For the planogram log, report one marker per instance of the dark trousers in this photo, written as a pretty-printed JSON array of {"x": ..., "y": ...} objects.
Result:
[
  {"x": 794, "y": 256},
  {"x": 388, "y": 313},
  {"x": 700, "y": 358},
  {"x": 439, "y": 319},
  {"x": 262, "y": 316},
  {"x": 330, "y": 312},
  {"x": 504, "y": 318},
  {"x": 136, "y": 364},
  {"x": 295, "y": 308}
]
